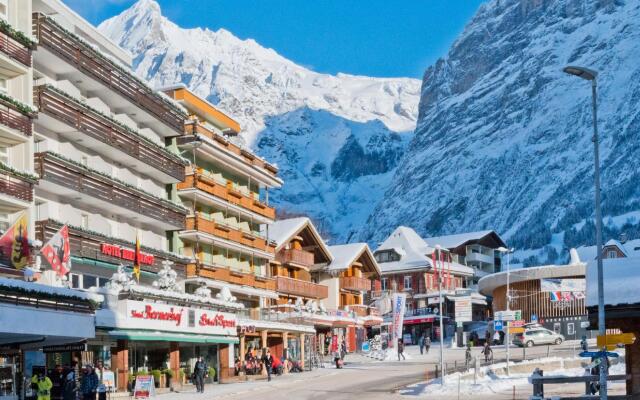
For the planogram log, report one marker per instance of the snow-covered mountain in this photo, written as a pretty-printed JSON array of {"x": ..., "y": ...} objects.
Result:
[
  {"x": 504, "y": 136},
  {"x": 323, "y": 131}
]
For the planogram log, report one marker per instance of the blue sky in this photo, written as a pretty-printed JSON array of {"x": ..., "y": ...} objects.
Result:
[{"x": 386, "y": 38}]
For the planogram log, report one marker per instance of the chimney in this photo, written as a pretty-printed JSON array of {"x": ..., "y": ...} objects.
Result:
[{"x": 623, "y": 237}]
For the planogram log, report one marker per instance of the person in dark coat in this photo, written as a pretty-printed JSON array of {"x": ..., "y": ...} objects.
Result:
[
  {"x": 400, "y": 349},
  {"x": 421, "y": 344},
  {"x": 267, "y": 361},
  {"x": 57, "y": 379},
  {"x": 199, "y": 373},
  {"x": 427, "y": 344},
  {"x": 70, "y": 388},
  {"x": 89, "y": 383}
]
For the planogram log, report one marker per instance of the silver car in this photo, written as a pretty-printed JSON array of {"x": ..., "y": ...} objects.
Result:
[{"x": 536, "y": 336}]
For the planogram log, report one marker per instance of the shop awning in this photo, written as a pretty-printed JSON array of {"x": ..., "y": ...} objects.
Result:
[{"x": 169, "y": 336}]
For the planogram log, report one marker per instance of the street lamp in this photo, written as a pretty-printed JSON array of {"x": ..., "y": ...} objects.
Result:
[
  {"x": 438, "y": 251},
  {"x": 508, "y": 252},
  {"x": 591, "y": 75}
]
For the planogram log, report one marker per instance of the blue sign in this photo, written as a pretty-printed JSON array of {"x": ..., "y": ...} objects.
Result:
[
  {"x": 497, "y": 325},
  {"x": 534, "y": 318},
  {"x": 599, "y": 354},
  {"x": 365, "y": 347}
]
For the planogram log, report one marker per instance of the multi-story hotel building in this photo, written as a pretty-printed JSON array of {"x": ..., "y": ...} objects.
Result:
[
  {"x": 17, "y": 113},
  {"x": 100, "y": 150}
]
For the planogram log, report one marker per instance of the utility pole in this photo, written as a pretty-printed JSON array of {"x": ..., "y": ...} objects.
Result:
[{"x": 439, "y": 260}]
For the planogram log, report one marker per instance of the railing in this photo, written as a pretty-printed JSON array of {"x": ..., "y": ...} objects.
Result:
[
  {"x": 74, "y": 177},
  {"x": 90, "y": 61},
  {"x": 16, "y": 186},
  {"x": 91, "y": 123},
  {"x": 419, "y": 311},
  {"x": 377, "y": 294},
  {"x": 14, "y": 119},
  {"x": 300, "y": 257},
  {"x": 195, "y": 128},
  {"x": 208, "y": 185},
  {"x": 355, "y": 283},
  {"x": 15, "y": 49},
  {"x": 88, "y": 244},
  {"x": 302, "y": 288},
  {"x": 223, "y": 231},
  {"x": 225, "y": 274}
]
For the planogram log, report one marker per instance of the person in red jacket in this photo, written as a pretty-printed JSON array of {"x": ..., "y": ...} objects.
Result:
[{"x": 277, "y": 365}]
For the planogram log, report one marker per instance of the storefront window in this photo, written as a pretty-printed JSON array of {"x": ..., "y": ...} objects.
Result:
[
  {"x": 293, "y": 348},
  {"x": 8, "y": 383}
]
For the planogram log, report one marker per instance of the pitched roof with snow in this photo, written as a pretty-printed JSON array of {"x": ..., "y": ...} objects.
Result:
[
  {"x": 453, "y": 241},
  {"x": 630, "y": 249},
  {"x": 283, "y": 230},
  {"x": 346, "y": 254}
]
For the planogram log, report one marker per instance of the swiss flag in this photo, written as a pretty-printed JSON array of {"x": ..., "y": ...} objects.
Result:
[{"x": 57, "y": 251}]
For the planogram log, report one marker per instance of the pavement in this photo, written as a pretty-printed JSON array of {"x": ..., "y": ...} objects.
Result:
[{"x": 365, "y": 378}]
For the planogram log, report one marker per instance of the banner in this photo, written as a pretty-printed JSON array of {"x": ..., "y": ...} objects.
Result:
[
  {"x": 399, "y": 302},
  {"x": 563, "y": 285},
  {"x": 463, "y": 309},
  {"x": 14, "y": 244},
  {"x": 144, "y": 387},
  {"x": 57, "y": 251}
]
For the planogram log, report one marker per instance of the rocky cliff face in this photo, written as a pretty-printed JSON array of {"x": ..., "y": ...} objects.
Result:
[
  {"x": 334, "y": 138},
  {"x": 503, "y": 139}
]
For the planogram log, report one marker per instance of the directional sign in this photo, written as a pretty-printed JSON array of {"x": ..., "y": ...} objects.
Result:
[
  {"x": 497, "y": 325},
  {"x": 516, "y": 324},
  {"x": 518, "y": 315},
  {"x": 612, "y": 341},
  {"x": 534, "y": 318},
  {"x": 505, "y": 315},
  {"x": 598, "y": 354},
  {"x": 516, "y": 330}
]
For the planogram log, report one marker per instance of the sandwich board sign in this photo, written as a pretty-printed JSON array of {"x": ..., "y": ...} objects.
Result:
[{"x": 144, "y": 388}]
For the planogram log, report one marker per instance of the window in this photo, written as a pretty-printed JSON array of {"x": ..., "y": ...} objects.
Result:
[
  {"x": 4, "y": 155},
  {"x": 387, "y": 256},
  {"x": 89, "y": 281},
  {"x": 4, "y": 9},
  {"x": 3, "y": 84},
  {"x": 571, "y": 330},
  {"x": 4, "y": 222},
  {"x": 407, "y": 282},
  {"x": 85, "y": 161},
  {"x": 76, "y": 280},
  {"x": 384, "y": 283},
  {"x": 612, "y": 254},
  {"x": 84, "y": 223}
]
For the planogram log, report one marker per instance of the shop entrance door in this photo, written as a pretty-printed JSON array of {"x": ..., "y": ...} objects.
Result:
[{"x": 276, "y": 346}]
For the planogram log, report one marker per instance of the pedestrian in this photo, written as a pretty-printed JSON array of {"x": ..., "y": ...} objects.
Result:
[
  {"x": 70, "y": 388},
  {"x": 421, "y": 344},
  {"x": 43, "y": 385},
  {"x": 267, "y": 361},
  {"x": 496, "y": 338},
  {"x": 343, "y": 349},
  {"x": 400, "y": 349},
  {"x": 487, "y": 336},
  {"x": 427, "y": 344},
  {"x": 89, "y": 384},
  {"x": 488, "y": 353},
  {"x": 200, "y": 371},
  {"x": 57, "y": 380},
  {"x": 337, "y": 359},
  {"x": 277, "y": 366}
]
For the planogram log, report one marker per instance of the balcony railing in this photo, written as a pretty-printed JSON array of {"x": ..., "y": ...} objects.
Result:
[
  {"x": 199, "y": 223},
  {"x": 355, "y": 283},
  {"x": 295, "y": 256},
  {"x": 16, "y": 186},
  {"x": 223, "y": 192},
  {"x": 85, "y": 243},
  {"x": 197, "y": 129},
  {"x": 302, "y": 288},
  {"x": 13, "y": 118},
  {"x": 62, "y": 172},
  {"x": 225, "y": 274},
  {"x": 13, "y": 48},
  {"x": 91, "y": 62},
  {"x": 57, "y": 105}
]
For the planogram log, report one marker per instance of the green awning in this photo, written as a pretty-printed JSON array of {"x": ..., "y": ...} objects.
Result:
[
  {"x": 105, "y": 264},
  {"x": 170, "y": 337}
]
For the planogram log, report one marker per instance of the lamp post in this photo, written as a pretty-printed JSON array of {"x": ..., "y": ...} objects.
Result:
[
  {"x": 438, "y": 258},
  {"x": 508, "y": 298},
  {"x": 591, "y": 75}
]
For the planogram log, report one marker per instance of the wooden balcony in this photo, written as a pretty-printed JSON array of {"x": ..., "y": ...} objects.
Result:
[
  {"x": 198, "y": 223},
  {"x": 13, "y": 48},
  {"x": 70, "y": 48},
  {"x": 297, "y": 257},
  {"x": 53, "y": 103},
  {"x": 70, "y": 176},
  {"x": 84, "y": 243},
  {"x": 14, "y": 119},
  {"x": 355, "y": 283},
  {"x": 226, "y": 193},
  {"x": 225, "y": 274},
  {"x": 301, "y": 288},
  {"x": 16, "y": 186},
  {"x": 193, "y": 129}
]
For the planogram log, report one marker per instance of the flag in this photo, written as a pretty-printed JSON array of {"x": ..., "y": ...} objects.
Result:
[
  {"x": 14, "y": 244},
  {"x": 136, "y": 260},
  {"x": 57, "y": 251},
  {"x": 555, "y": 296}
]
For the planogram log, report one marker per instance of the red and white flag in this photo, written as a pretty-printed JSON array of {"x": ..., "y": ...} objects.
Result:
[{"x": 57, "y": 251}]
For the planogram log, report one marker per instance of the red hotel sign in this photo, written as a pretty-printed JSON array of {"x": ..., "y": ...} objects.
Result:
[
  {"x": 216, "y": 320},
  {"x": 150, "y": 313},
  {"x": 126, "y": 254}
]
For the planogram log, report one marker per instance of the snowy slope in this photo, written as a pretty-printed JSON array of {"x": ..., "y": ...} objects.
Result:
[
  {"x": 269, "y": 95},
  {"x": 504, "y": 137}
]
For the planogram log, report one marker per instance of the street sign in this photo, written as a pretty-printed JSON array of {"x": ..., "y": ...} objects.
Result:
[
  {"x": 612, "y": 341},
  {"x": 516, "y": 324},
  {"x": 516, "y": 330},
  {"x": 598, "y": 354},
  {"x": 518, "y": 315},
  {"x": 534, "y": 318},
  {"x": 497, "y": 325},
  {"x": 505, "y": 315}
]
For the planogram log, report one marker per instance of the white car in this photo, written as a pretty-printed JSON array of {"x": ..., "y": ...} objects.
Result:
[{"x": 536, "y": 336}]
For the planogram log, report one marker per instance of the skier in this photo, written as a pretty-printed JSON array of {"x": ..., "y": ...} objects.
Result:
[{"x": 199, "y": 373}]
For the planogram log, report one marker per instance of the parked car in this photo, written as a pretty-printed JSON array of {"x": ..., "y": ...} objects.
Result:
[{"x": 537, "y": 336}]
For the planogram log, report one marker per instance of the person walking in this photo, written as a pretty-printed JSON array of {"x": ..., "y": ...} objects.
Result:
[
  {"x": 343, "y": 349},
  {"x": 488, "y": 353},
  {"x": 421, "y": 344},
  {"x": 200, "y": 371},
  {"x": 427, "y": 344},
  {"x": 401, "y": 349},
  {"x": 496, "y": 338},
  {"x": 267, "y": 361},
  {"x": 57, "y": 380},
  {"x": 70, "y": 388},
  {"x": 89, "y": 384},
  {"x": 43, "y": 386}
]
